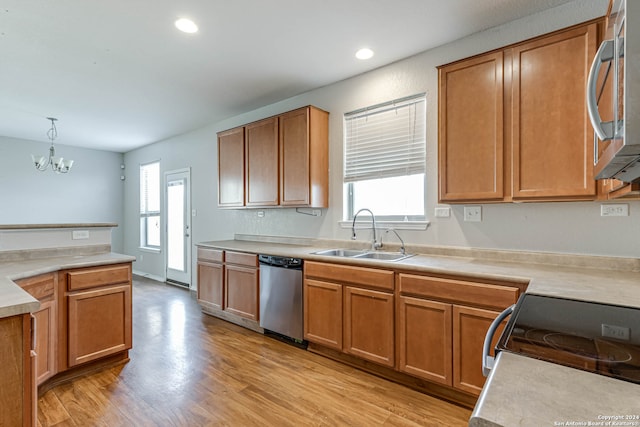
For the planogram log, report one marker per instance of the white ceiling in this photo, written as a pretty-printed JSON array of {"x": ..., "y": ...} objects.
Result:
[{"x": 118, "y": 75}]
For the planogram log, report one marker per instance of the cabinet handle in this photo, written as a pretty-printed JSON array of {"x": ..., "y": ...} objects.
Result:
[
  {"x": 487, "y": 359},
  {"x": 604, "y": 130}
]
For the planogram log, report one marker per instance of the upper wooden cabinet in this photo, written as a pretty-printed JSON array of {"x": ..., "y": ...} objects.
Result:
[
  {"x": 278, "y": 161},
  {"x": 513, "y": 123},
  {"x": 552, "y": 135},
  {"x": 304, "y": 158},
  {"x": 231, "y": 168},
  {"x": 261, "y": 163},
  {"x": 471, "y": 129}
]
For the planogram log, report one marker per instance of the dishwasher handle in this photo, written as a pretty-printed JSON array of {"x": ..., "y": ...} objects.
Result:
[{"x": 487, "y": 359}]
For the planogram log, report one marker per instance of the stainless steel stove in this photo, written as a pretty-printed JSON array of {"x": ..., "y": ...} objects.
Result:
[{"x": 599, "y": 338}]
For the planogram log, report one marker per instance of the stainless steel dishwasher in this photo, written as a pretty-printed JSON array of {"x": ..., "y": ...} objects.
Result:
[{"x": 281, "y": 296}]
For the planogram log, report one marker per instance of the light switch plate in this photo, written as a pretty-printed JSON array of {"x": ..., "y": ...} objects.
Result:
[{"x": 473, "y": 213}]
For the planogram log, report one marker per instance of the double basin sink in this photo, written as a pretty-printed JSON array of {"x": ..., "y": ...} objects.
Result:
[{"x": 353, "y": 253}]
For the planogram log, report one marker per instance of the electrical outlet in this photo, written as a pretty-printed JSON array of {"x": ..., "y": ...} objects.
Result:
[
  {"x": 473, "y": 213},
  {"x": 618, "y": 332},
  {"x": 316, "y": 212},
  {"x": 443, "y": 212},
  {"x": 80, "y": 234},
  {"x": 260, "y": 214},
  {"x": 612, "y": 209}
]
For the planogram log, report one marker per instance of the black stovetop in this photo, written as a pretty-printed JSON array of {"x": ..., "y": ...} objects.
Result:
[{"x": 600, "y": 338}]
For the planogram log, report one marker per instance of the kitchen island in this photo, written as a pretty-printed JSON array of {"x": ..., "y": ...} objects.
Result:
[
  {"x": 64, "y": 311},
  {"x": 520, "y": 390}
]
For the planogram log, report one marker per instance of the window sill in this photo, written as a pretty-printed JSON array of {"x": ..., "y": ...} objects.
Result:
[{"x": 396, "y": 225}]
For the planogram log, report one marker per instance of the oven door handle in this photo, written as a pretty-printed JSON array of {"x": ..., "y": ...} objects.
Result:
[{"x": 487, "y": 359}]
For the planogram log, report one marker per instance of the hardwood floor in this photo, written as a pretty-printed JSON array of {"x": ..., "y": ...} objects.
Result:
[{"x": 191, "y": 369}]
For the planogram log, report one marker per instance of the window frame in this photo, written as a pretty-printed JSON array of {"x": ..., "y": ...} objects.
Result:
[
  {"x": 395, "y": 221},
  {"x": 146, "y": 214}
]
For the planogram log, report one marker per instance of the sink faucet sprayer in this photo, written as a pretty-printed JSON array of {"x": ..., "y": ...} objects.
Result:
[{"x": 374, "y": 245}]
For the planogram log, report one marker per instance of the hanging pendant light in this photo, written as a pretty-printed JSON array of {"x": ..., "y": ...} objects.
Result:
[{"x": 58, "y": 164}]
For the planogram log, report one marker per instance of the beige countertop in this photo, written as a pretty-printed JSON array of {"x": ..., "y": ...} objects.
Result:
[
  {"x": 587, "y": 284},
  {"x": 521, "y": 390},
  {"x": 14, "y": 301}
]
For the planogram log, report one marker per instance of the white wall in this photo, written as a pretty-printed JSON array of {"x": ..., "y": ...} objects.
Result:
[
  {"x": 567, "y": 227},
  {"x": 91, "y": 192}
]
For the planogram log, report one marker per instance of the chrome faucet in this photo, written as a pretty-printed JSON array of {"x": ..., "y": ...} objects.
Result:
[
  {"x": 402, "y": 249},
  {"x": 374, "y": 245}
]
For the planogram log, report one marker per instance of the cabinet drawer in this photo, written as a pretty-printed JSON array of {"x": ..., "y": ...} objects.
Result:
[
  {"x": 212, "y": 255},
  {"x": 40, "y": 287},
  {"x": 369, "y": 277},
  {"x": 458, "y": 291},
  {"x": 239, "y": 258},
  {"x": 94, "y": 277}
]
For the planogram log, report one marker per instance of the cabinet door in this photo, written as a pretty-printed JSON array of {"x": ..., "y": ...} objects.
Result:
[
  {"x": 45, "y": 340},
  {"x": 470, "y": 326},
  {"x": 210, "y": 284},
  {"x": 471, "y": 129},
  {"x": 43, "y": 288},
  {"x": 323, "y": 313},
  {"x": 231, "y": 168},
  {"x": 294, "y": 157},
  {"x": 552, "y": 136},
  {"x": 99, "y": 323},
  {"x": 242, "y": 291},
  {"x": 261, "y": 163},
  {"x": 424, "y": 339},
  {"x": 368, "y": 325},
  {"x": 17, "y": 393}
]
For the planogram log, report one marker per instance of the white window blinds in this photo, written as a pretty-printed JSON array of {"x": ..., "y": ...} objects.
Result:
[
  {"x": 150, "y": 188},
  {"x": 386, "y": 140}
]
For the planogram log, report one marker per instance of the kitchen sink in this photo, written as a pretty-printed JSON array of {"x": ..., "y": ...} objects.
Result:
[
  {"x": 341, "y": 252},
  {"x": 385, "y": 256},
  {"x": 353, "y": 253}
]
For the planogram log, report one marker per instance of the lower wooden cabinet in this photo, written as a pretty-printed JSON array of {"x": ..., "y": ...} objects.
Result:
[
  {"x": 441, "y": 333},
  {"x": 241, "y": 285},
  {"x": 46, "y": 342},
  {"x": 95, "y": 317},
  {"x": 211, "y": 278},
  {"x": 351, "y": 309},
  {"x": 425, "y": 339},
  {"x": 99, "y": 323},
  {"x": 229, "y": 286},
  {"x": 43, "y": 288},
  {"x": 368, "y": 325},
  {"x": 84, "y": 315},
  {"x": 323, "y": 313},
  {"x": 470, "y": 326},
  {"x": 17, "y": 358}
]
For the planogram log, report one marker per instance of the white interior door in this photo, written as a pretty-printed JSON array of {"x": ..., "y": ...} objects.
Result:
[{"x": 178, "y": 206}]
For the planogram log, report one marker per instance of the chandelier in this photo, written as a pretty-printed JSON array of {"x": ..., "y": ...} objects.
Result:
[{"x": 58, "y": 165}]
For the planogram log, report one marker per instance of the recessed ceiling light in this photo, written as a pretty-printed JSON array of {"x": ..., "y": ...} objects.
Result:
[
  {"x": 364, "y": 53},
  {"x": 186, "y": 25}
]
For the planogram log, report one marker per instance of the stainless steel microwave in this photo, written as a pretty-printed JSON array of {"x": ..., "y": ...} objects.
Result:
[{"x": 613, "y": 95}]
